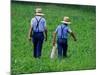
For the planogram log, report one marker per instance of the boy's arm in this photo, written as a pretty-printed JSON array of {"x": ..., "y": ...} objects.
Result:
[
  {"x": 72, "y": 34},
  {"x": 30, "y": 33},
  {"x": 54, "y": 38},
  {"x": 46, "y": 34}
]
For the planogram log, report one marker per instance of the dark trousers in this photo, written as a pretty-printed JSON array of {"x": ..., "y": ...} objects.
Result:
[
  {"x": 62, "y": 47},
  {"x": 38, "y": 38}
]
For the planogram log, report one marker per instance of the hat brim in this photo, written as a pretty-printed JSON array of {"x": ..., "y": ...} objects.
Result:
[
  {"x": 39, "y": 14},
  {"x": 65, "y": 22}
]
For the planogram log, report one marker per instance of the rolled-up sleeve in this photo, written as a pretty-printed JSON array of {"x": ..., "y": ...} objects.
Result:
[
  {"x": 32, "y": 21},
  {"x": 56, "y": 30},
  {"x": 44, "y": 23},
  {"x": 69, "y": 30}
]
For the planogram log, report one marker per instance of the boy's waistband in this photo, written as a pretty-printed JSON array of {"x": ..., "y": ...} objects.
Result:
[
  {"x": 37, "y": 32},
  {"x": 62, "y": 38}
]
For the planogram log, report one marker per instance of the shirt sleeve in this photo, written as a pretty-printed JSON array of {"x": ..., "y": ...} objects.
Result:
[
  {"x": 32, "y": 21},
  {"x": 69, "y": 30},
  {"x": 56, "y": 30},
  {"x": 44, "y": 22}
]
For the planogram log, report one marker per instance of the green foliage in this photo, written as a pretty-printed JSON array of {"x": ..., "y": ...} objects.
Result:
[{"x": 81, "y": 54}]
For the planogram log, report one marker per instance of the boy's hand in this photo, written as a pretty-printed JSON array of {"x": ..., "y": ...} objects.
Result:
[
  {"x": 53, "y": 43},
  {"x": 75, "y": 39},
  {"x": 45, "y": 38},
  {"x": 72, "y": 34}
]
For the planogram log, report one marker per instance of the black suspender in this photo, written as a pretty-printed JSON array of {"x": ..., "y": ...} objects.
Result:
[
  {"x": 62, "y": 34},
  {"x": 37, "y": 26}
]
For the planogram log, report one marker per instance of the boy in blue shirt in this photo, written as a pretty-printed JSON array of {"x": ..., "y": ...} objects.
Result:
[
  {"x": 62, "y": 37},
  {"x": 38, "y": 32}
]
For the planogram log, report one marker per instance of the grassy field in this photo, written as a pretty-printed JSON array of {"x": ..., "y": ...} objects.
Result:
[{"x": 81, "y": 54}]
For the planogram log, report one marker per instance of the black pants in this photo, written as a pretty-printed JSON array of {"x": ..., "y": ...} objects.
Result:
[
  {"x": 38, "y": 38},
  {"x": 62, "y": 47}
]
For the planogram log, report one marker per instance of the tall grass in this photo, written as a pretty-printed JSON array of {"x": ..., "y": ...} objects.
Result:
[{"x": 81, "y": 54}]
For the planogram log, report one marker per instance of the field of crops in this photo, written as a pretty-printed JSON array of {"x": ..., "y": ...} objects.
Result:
[{"x": 81, "y": 54}]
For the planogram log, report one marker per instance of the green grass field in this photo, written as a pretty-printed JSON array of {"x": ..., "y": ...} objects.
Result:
[{"x": 81, "y": 54}]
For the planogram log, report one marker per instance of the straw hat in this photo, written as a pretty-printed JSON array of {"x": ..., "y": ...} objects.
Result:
[
  {"x": 66, "y": 20},
  {"x": 39, "y": 11}
]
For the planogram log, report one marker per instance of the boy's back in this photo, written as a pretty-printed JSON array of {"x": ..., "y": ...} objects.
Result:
[{"x": 62, "y": 31}]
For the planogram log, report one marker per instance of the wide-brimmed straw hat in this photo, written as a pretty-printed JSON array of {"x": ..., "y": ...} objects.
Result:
[
  {"x": 66, "y": 20},
  {"x": 38, "y": 11}
]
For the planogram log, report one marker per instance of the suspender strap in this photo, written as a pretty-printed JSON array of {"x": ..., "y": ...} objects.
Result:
[
  {"x": 62, "y": 34},
  {"x": 37, "y": 26}
]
